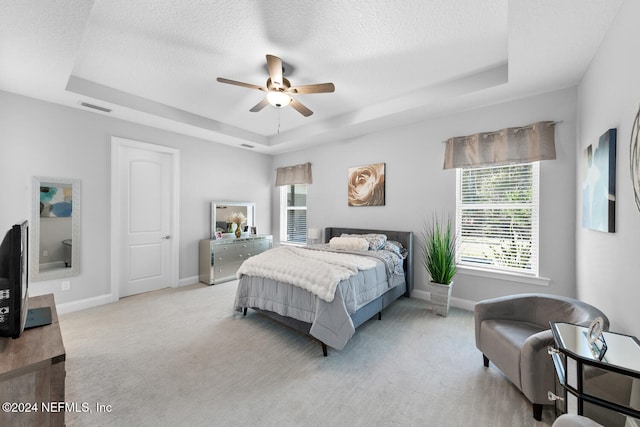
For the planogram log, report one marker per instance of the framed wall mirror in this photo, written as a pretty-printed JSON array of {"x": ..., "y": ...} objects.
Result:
[
  {"x": 221, "y": 211},
  {"x": 55, "y": 228}
]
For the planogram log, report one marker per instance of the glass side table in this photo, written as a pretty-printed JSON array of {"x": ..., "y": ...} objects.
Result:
[{"x": 601, "y": 385}]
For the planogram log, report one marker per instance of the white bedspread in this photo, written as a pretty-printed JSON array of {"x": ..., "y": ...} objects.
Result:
[{"x": 318, "y": 272}]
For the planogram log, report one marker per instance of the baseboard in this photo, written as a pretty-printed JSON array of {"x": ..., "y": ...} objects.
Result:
[
  {"x": 420, "y": 294},
  {"x": 188, "y": 281},
  {"x": 455, "y": 302},
  {"x": 70, "y": 307},
  {"x": 464, "y": 304}
]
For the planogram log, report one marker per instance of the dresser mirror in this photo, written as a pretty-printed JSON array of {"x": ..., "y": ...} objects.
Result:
[
  {"x": 55, "y": 228},
  {"x": 221, "y": 211}
]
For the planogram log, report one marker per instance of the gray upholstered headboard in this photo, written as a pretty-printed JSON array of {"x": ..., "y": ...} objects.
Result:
[{"x": 404, "y": 237}]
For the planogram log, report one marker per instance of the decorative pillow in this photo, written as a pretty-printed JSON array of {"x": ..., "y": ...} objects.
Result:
[
  {"x": 395, "y": 247},
  {"x": 349, "y": 243},
  {"x": 376, "y": 241}
]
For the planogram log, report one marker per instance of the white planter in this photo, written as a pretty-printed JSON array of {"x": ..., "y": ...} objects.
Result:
[{"x": 440, "y": 297}]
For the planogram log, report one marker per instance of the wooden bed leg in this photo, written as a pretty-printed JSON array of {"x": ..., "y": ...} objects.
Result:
[
  {"x": 244, "y": 311},
  {"x": 324, "y": 349},
  {"x": 379, "y": 315}
]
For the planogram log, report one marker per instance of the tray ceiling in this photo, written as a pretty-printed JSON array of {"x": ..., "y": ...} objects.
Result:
[{"x": 156, "y": 63}]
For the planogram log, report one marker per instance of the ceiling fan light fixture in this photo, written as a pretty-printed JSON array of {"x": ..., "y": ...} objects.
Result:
[
  {"x": 279, "y": 89},
  {"x": 278, "y": 99}
]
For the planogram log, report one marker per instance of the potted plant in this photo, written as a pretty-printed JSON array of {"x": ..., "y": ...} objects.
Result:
[{"x": 439, "y": 258}]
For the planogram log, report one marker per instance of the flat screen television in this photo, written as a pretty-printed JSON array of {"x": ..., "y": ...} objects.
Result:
[
  {"x": 15, "y": 316},
  {"x": 14, "y": 281}
]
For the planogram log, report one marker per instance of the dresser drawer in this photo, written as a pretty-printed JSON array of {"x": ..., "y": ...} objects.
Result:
[
  {"x": 261, "y": 246},
  {"x": 220, "y": 260},
  {"x": 225, "y": 272},
  {"x": 226, "y": 253}
]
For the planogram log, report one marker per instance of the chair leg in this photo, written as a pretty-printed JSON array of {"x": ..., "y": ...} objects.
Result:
[
  {"x": 485, "y": 360},
  {"x": 537, "y": 411}
]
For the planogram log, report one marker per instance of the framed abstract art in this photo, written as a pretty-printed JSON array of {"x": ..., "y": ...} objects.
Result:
[
  {"x": 599, "y": 184},
  {"x": 634, "y": 150}
]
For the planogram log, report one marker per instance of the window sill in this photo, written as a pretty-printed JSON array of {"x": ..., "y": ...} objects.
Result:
[
  {"x": 501, "y": 275},
  {"x": 285, "y": 243}
]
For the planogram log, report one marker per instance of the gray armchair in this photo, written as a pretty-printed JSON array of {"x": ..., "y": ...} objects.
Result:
[{"x": 513, "y": 332}]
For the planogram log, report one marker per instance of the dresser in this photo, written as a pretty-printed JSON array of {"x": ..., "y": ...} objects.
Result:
[{"x": 220, "y": 259}]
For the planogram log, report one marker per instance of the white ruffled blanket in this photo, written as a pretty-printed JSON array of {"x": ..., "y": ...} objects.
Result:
[{"x": 318, "y": 272}]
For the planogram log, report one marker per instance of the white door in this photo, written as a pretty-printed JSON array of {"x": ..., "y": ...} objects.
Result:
[{"x": 145, "y": 198}]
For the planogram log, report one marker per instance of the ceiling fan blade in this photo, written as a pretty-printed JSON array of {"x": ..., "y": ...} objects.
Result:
[
  {"x": 275, "y": 70},
  {"x": 315, "y": 88},
  {"x": 260, "y": 105},
  {"x": 249, "y": 85},
  {"x": 300, "y": 108}
]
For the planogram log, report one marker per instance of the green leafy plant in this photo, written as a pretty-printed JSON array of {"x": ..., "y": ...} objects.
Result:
[{"x": 439, "y": 249}]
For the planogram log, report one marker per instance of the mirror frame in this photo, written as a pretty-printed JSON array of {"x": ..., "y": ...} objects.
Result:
[
  {"x": 251, "y": 214},
  {"x": 34, "y": 251}
]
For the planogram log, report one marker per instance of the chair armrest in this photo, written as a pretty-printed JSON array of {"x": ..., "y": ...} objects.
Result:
[
  {"x": 510, "y": 307},
  {"x": 539, "y": 342},
  {"x": 536, "y": 367}
]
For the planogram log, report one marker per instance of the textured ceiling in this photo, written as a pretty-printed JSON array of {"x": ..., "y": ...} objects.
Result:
[{"x": 156, "y": 62}]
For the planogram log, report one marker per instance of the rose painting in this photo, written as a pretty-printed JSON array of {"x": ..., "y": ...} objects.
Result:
[{"x": 366, "y": 185}]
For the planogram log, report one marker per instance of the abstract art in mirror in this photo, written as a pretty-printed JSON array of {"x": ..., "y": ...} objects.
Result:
[
  {"x": 55, "y": 223},
  {"x": 599, "y": 184},
  {"x": 221, "y": 212}
]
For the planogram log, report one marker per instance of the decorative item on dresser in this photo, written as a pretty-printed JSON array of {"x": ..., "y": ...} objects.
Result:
[
  {"x": 332, "y": 320},
  {"x": 221, "y": 258}
]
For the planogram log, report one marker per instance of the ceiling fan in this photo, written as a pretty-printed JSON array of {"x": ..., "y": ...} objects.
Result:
[{"x": 279, "y": 89}]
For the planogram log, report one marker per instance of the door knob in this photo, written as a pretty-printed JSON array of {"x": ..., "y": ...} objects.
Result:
[{"x": 167, "y": 237}]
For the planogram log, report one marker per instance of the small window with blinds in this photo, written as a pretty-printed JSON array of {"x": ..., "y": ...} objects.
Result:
[
  {"x": 293, "y": 213},
  {"x": 497, "y": 217}
]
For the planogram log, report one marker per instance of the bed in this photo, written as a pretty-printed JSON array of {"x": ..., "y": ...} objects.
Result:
[{"x": 357, "y": 298}]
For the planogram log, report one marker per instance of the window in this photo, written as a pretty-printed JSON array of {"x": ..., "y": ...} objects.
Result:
[
  {"x": 497, "y": 217},
  {"x": 293, "y": 213}
]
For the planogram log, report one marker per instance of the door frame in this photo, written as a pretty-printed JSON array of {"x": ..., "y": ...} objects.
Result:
[{"x": 117, "y": 245}]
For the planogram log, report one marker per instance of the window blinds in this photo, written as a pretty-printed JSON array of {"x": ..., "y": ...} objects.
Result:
[
  {"x": 296, "y": 213},
  {"x": 497, "y": 217}
]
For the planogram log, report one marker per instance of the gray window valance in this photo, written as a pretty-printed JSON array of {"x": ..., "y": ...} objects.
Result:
[
  {"x": 512, "y": 145},
  {"x": 298, "y": 174}
]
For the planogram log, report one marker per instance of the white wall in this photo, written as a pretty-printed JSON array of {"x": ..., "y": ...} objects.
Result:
[
  {"x": 608, "y": 270},
  {"x": 417, "y": 184},
  {"x": 39, "y": 138}
]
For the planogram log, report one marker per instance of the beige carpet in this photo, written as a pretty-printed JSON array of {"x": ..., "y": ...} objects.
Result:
[{"x": 181, "y": 357}]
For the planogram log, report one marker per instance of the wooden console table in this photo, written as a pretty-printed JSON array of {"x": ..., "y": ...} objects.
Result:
[{"x": 32, "y": 373}]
